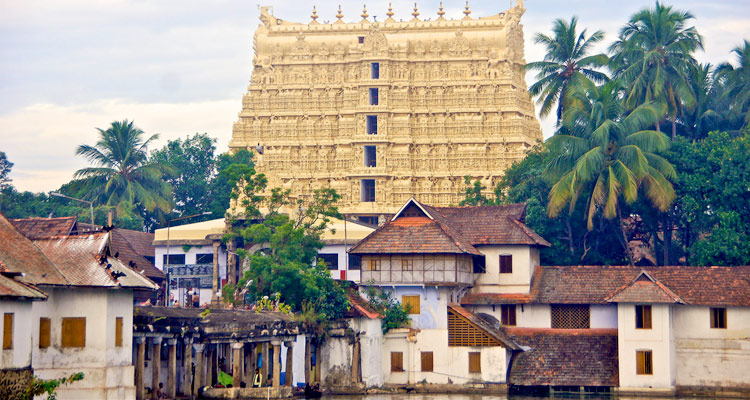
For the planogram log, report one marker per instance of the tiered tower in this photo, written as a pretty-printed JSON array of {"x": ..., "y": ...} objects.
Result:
[{"x": 383, "y": 111}]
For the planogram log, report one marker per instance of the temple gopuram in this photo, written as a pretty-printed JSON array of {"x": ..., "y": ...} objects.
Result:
[{"x": 382, "y": 111}]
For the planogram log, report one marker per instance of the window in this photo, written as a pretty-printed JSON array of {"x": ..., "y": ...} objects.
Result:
[
  {"x": 644, "y": 364},
  {"x": 174, "y": 259},
  {"x": 372, "y": 124},
  {"x": 331, "y": 260},
  {"x": 373, "y": 265},
  {"x": 371, "y": 156},
  {"x": 570, "y": 316},
  {"x": 411, "y": 304},
  {"x": 718, "y": 318},
  {"x": 407, "y": 264},
  {"x": 355, "y": 261},
  {"x": 118, "y": 332},
  {"x": 508, "y": 314},
  {"x": 642, "y": 317},
  {"x": 204, "y": 258},
  {"x": 368, "y": 190},
  {"x": 426, "y": 361},
  {"x": 375, "y": 70},
  {"x": 44, "y": 332},
  {"x": 73, "y": 332},
  {"x": 479, "y": 264},
  {"x": 360, "y": 39},
  {"x": 8, "y": 331},
  {"x": 373, "y": 96},
  {"x": 368, "y": 219},
  {"x": 475, "y": 361},
  {"x": 397, "y": 361},
  {"x": 506, "y": 264}
]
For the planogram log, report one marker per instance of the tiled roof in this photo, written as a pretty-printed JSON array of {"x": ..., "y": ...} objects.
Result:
[
  {"x": 360, "y": 307},
  {"x": 13, "y": 288},
  {"x": 35, "y": 228},
  {"x": 575, "y": 357},
  {"x": 132, "y": 247},
  {"x": 449, "y": 230},
  {"x": 19, "y": 254},
  {"x": 644, "y": 289},
  {"x": 496, "y": 298},
  {"x": 498, "y": 334},
  {"x": 83, "y": 260},
  {"x": 717, "y": 286}
]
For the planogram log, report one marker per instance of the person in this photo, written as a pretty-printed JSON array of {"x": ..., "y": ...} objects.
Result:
[
  {"x": 196, "y": 299},
  {"x": 257, "y": 378},
  {"x": 160, "y": 391}
]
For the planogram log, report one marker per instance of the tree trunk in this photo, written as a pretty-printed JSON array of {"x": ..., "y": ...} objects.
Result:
[
  {"x": 570, "y": 235},
  {"x": 674, "y": 128},
  {"x": 624, "y": 240},
  {"x": 658, "y": 128},
  {"x": 667, "y": 226}
]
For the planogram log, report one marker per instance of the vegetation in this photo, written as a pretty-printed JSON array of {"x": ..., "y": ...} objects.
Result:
[
  {"x": 394, "y": 314},
  {"x": 40, "y": 387}
]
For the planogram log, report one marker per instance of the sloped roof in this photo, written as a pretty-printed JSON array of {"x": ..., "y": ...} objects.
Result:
[
  {"x": 418, "y": 228},
  {"x": 599, "y": 284},
  {"x": 507, "y": 341},
  {"x": 132, "y": 247},
  {"x": 83, "y": 260},
  {"x": 644, "y": 289},
  {"x": 19, "y": 254},
  {"x": 34, "y": 227},
  {"x": 360, "y": 307},
  {"x": 17, "y": 290},
  {"x": 563, "y": 357},
  {"x": 496, "y": 298}
]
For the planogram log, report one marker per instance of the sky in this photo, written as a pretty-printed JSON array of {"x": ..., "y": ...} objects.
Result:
[{"x": 177, "y": 67}]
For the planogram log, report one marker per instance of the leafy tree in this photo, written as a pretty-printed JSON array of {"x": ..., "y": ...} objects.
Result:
[
  {"x": 38, "y": 387},
  {"x": 394, "y": 314},
  {"x": 738, "y": 82},
  {"x": 194, "y": 169},
  {"x": 5, "y": 167},
  {"x": 232, "y": 167},
  {"x": 564, "y": 64},
  {"x": 473, "y": 195},
  {"x": 703, "y": 117},
  {"x": 652, "y": 57},
  {"x": 121, "y": 175},
  {"x": 606, "y": 148}
]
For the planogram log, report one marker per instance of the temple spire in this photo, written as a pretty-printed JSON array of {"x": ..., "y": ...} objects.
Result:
[
  {"x": 314, "y": 16},
  {"x": 390, "y": 13},
  {"x": 415, "y": 13},
  {"x": 467, "y": 11},
  {"x": 339, "y": 15},
  {"x": 441, "y": 12},
  {"x": 364, "y": 14}
]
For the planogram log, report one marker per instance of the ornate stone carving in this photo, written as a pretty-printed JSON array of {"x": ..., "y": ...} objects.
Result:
[{"x": 375, "y": 41}]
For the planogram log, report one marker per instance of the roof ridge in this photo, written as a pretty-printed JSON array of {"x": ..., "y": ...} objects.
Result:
[
  {"x": 456, "y": 236},
  {"x": 653, "y": 280},
  {"x": 527, "y": 231}
]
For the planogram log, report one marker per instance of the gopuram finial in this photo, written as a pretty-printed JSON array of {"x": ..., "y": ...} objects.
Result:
[
  {"x": 467, "y": 11},
  {"x": 314, "y": 16},
  {"x": 441, "y": 12},
  {"x": 339, "y": 15},
  {"x": 390, "y": 13},
  {"x": 364, "y": 14},
  {"x": 415, "y": 13}
]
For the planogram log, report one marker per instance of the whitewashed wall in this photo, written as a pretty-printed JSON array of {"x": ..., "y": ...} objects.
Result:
[
  {"x": 712, "y": 357},
  {"x": 525, "y": 260},
  {"x": 343, "y": 257},
  {"x": 20, "y": 355},
  {"x": 658, "y": 339},
  {"x": 190, "y": 258}
]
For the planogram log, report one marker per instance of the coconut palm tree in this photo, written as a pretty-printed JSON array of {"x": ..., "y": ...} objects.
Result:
[
  {"x": 605, "y": 151},
  {"x": 703, "y": 117},
  {"x": 737, "y": 80},
  {"x": 652, "y": 57},
  {"x": 566, "y": 62},
  {"x": 121, "y": 175}
]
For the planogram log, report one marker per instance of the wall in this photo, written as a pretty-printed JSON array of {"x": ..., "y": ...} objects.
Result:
[
  {"x": 433, "y": 305},
  {"x": 450, "y": 364},
  {"x": 108, "y": 370},
  {"x": 604, "y": 316},
  {"x": 658, "y": 339},
  {"x": 712, "y": 357},
  {"x": 371, "y": 349},
  {"x": 20, "y": 355},
  {"x": 190, "y": 255},
  {"x": 340, "y": 249},
  {"x": 525, "y": 260},
  {"x": 425, "y": 269}
]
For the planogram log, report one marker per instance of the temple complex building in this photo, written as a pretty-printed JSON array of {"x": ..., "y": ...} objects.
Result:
[{"x": 382, "y": 111}]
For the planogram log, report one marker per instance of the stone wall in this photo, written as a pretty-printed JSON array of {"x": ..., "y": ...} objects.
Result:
[{"x": 14, "y": 382}]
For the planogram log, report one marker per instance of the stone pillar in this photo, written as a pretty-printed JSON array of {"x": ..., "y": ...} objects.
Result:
[
  {"x": 210, "y": 366},
  {"x": 318, "y": 364},
  {"x": 140, "y": 359},
  {"x": 276, "y": 365},
  {"x": 264, "y": 363},
  {"x": 155, "y": 366},
  {"x": 231, "y": 263},
  {"x": 308, "y": 360},
  {"x": 199, "y": 374},
  {"x": 236, "y": 364},
  {"x": 187, "y": 357},
  {"x": 215, "y": 279},
  {"x": 172, "y": 368},
  {"x": 355, "y": 361},
  {"x": 249, "y": 364},
  {"x": 289, "y": 363}
]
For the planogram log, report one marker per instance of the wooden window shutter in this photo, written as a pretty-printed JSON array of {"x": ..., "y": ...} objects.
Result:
[
  {"x": 475, "y": 361},
  {"x": 719, "y": 318},
  {"x": 8, "y": 331},
  {"x": 644, "y": 362},
  {"x": 397, "y": 361},
  {"x": 642, "y": 317},
  {"x": 508, "y": 314},
  {"x": 118, "y": 332},
  {"x": 506, "y": 264},
  {"x": 411, "y": 304},
  {"x": 45, "y": 325},
  {"x": 73, "y": 332},
  {"x": 426, "y": 361}
]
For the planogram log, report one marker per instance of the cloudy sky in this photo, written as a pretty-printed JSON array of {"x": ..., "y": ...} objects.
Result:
[{"x": 178, "y": 67}]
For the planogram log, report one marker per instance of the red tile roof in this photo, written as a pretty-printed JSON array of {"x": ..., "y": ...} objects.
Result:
[
  {"x": 496, "y": 298},
  {"x": 34, "y": 228},
  {"x": 564, "y": 357},
  {"x": 19, "y": 254},
  {"x": 360, "y": 307},
  {"x": 17, "y": 290},
  {"x": 425, "y": 229},
  {"x": 132, "y": 247},
  {"x": 644, "y": 289}
]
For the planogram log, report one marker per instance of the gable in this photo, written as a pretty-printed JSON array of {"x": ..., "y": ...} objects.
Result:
[{"x": 461, "y": 332}]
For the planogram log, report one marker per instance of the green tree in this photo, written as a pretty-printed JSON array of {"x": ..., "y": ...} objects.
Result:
[
  {"x": 738, "y": 82},
  {"x": 5, "y": 167},
  {"x": 194, "y": 170},
  {"x": 473, "y": 194},
  {"x": 652, "y": 57},
  {"x": 231, "y": 168},
  {"x": 604, "y": 147},
  {"x": 121, "y": 175},
  {"x": 703, "y": 117},
  {"x": 566, "y": 62}
]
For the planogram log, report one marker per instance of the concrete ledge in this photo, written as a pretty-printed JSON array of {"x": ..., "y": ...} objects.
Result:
[
  {"x": 469, "y": 388},
  {"x": 283, "y": 392},
  {"x": 713, "y": 391}
]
